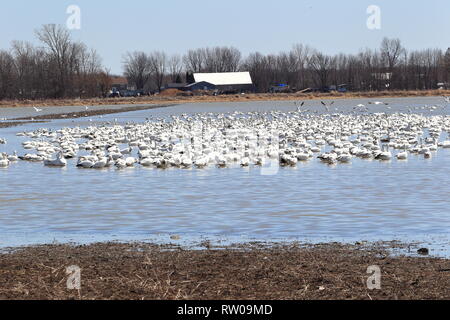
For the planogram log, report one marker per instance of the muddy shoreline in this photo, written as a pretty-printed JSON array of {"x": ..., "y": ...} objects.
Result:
[
  {"x": 222, "y": 98},
  {"x": 11, "y": 124},
  {"x": 138, "y": 271},
  {"x": 92, "y": 113},
  {"x": 76, "y": 115}
]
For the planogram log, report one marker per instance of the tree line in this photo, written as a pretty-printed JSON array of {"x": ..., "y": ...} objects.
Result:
[
  {"x": 391, "y": 67},
  {"x": 58, "y": 68},
  {"x": 62, "y": 68}
]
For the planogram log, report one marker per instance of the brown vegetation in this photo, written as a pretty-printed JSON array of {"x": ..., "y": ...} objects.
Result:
[
  {"x": 181, "y": 98},
  {"x": 90, "y": 113},
  {"x": 145, "y": 271}
]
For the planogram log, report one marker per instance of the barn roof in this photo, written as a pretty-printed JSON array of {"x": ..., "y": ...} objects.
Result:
[{"x": 224, "y": 78}]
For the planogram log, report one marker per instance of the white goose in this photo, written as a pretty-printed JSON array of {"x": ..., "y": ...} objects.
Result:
[
  {"x": 58, "y": 162},
  {"x": 13, "y": 157},
  {"x": 402, "y": 155},
  {"x": 384, "y": 154},
  {"x": 4, "y": 162}
]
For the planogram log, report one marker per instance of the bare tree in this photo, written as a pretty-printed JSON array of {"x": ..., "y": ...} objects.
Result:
[
  {"x": 256, "y": 63},
  {"x": 301, "y": 55},
  {"x": 25, "y": 60},
  {"x": 321, "y": 66},
  {"x": 175, "y": 65},
  {"x": 7, "y": 75},
  {"x": 391, "y": 51},
  {"x": 58, "y": 42},
  {"x": 446, "y": 65},
  {"x": 221, "y": 59},
  {"x": 158, "y": 65},
  {"x": 137, "y": 69},
  {"x": 104, "y": 82},
  {"x": 194, "y": 61}
]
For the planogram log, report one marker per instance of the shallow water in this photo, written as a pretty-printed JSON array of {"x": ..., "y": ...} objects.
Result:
[{"x": 364, "y": 200}]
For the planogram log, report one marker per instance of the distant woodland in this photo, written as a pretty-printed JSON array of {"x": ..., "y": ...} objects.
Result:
[{"x": 60, "y": 67}]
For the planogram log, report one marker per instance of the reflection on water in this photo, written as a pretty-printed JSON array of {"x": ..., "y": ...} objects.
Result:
[{"x": 364, "y": 199}]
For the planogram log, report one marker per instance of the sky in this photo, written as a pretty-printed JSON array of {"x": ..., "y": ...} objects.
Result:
[{"x": 175, "y": 26}]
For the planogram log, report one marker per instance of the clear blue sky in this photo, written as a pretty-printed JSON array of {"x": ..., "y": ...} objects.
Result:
[{"x": 115, "y": 27}]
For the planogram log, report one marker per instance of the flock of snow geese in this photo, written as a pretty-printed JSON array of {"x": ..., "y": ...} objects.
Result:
[{"x": 237, "y": 139}]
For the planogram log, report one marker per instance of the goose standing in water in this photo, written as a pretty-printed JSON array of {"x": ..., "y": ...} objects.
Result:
[
  {"x": 130, "y": 161},
  {"x": 121, "y": 164},
  {"x": 102, "y": 162},
  {"x": 4, "y": 162},
  {"x": 224, "y": 140},
  {"x": 402, "y": 155},
  {"x": 86, "y": 162},
  {"x": 384, "y": 154},
  {"x": 345, "y": 158},
  {"x": 58, "y": 162},
  {"x": 13, "y": 157}
]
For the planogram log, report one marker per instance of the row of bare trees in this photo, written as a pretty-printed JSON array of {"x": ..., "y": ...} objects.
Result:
[
  {"x": 151, "y": 71},
  {"x": 59, "y": 68},
  {"x": 63, "y": 68},
  {"x": 389, "y": 67}
]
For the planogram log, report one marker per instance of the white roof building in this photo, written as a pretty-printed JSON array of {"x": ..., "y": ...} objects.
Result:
[{"x": 225, "y": 78}]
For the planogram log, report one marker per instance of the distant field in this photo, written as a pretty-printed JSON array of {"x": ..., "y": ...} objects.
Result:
[{"x": 221, "y": 98}]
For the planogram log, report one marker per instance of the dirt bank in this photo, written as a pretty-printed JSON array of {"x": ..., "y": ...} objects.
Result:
[
  {"x": 10, "y": 124},
  {"x": 92, "y": 113},
  {"x": 224, "y": 98},
  {"x": 145, "y": 271},
  {"x": 75, "y": 115}
]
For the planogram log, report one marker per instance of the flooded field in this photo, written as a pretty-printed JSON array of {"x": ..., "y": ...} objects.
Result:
[{"x": 359, "y": 200}]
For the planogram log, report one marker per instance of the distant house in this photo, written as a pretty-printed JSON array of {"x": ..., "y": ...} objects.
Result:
[
  {"x": 179, "y": 86},
  {"x": 225, "y": 82},
  {"x": 120, "y": 84}
]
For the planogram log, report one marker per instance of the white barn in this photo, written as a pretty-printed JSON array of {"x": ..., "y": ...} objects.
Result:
[{"x": 227, "y": 81}]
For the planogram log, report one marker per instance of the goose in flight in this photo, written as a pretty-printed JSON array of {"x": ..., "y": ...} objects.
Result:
[
  {"x": 327, "y": 106},
  {"x": 299, "y": 105},
  {"x": 37, "y": 109}
]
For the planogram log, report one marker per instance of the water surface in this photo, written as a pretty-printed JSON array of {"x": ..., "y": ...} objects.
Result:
[{"x": 363, "y": 200}]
